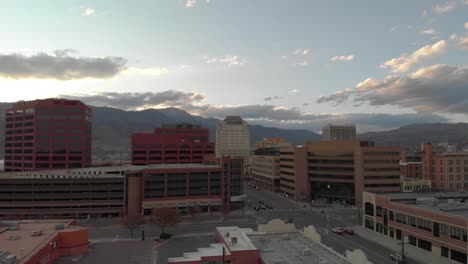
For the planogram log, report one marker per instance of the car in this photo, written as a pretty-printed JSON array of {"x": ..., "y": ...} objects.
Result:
[
  {"x": 263, "y": 207},
  {"x": 261, "y": 202},
  {"x": 337, "y": 230},
  {"x": 269, "y": 206},
  {"x": 256, "y": 208},
  {"x": 397, "y": 258},
  {"x": 348, "y": 231}
]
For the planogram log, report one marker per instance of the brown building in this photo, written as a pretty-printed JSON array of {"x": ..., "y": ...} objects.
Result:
[
  {"x": 447, "y": 171},
  {"x": 265, "y": 169},
  {"x": 270, "y": 142},
  {"x": 436, "y": 222},
  {"x": 339, "y": 170},
  {"x": 216, "y": 185}
]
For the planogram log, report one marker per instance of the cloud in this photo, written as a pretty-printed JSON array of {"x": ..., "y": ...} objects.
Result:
[
  {"x": 435, "y": 89},
  {"x": 429, "y": 31},
  {"x": 268, "y": 115},
  {"x": 302, "y": 52},
  {"x": 453, "y": 37},
  {"x": 465, "y": 2},
  {"x": 146, "y": 71},
  {"x": 60, "y": 66},
  {"x": 135, "y": 101},
  {"x": 405, "y": 61},
  {"x": 446, "y": 7},
  {"x": 228, "y": 59},
  {"x": 303, "y": 64},
  {"x": 190, "y": 3},
  {"x": 463, "y": 42},
  {"x": 394, "y": 29},
  {"x": 294, "y": 91},
  {"x": 424, "y": 13},
  {"x": 466, "y": 25},
  {"x": 305, "y": 104},
  {"x": 88, "y": 12},
  {"x": 343, "y": 58}
]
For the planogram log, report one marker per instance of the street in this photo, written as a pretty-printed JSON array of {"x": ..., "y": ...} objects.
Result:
[{"x": 283, "y": 208}]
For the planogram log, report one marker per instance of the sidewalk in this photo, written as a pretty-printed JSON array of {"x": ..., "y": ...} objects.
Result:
[{"x": 412, "y": 252}]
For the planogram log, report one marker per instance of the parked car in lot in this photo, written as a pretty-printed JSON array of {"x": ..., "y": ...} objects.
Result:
[
  {"x": 269, "y": 206},
  {"x": 261, "y": 202},
  {"x": 348, "y": 231},
  {"x": 263, "y": 207},
  {"x": 337, "y": 230},
  {"x": 397, "y": 258},
  {"x": 256, "y": 208}
]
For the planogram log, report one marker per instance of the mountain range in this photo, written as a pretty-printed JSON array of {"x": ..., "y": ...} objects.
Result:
[{"x": 112, "y": 129}]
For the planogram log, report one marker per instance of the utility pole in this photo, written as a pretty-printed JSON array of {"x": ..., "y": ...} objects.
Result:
[{"x": 403, "y": 258}]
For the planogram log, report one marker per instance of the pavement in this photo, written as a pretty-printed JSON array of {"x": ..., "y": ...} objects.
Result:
[{"x": 411, "y": 252}]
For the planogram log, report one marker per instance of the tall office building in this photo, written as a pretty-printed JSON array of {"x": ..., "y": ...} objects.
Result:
[
  {"x": 181, "y": 143},
  {"x": 338, "y": 132},
  {"x": 47, "y": 134},
  {"x": 233, "y": 138},
  {"x": 339, "y": 170}
]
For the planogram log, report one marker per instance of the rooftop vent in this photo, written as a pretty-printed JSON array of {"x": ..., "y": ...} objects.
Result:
[
  {"x": 59, "y": 226},
  {"x": 227, "y": 234},
  {"x": 234, "y": 241},
  {"x": 10, "y": 259}
]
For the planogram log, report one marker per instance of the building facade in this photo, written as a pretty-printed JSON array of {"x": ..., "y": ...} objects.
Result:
[
  {"x": 338, "y": 132},
  {"x": 293, "y": 172},
  {"x": 415, "y": 185},
  {"x": 265, "y": 168},
  {"x": 338, "y": 170},
  {"x": 171, "y": 144},
  {"x": 270, "y": 142},
  {"x": 216, "y": 185},
  {"x": 447, "y": 171},
  {"x": 233, "y": 138},
  {"x": 47, "y": 134},
  {"x": 435, "y": 222}
]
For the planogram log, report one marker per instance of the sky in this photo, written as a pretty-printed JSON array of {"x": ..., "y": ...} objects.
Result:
[{"x": 281, "y": 63}]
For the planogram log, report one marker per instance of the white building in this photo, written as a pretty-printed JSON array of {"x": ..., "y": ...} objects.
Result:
[{"x": 232, "y": 138}]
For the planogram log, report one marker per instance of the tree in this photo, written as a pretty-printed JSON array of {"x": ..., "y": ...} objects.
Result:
[
  {"x": 165, "y": 217},
  {"x": 132, "y": 222}
]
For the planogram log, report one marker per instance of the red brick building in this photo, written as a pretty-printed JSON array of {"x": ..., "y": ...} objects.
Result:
[
  {"x": 41, "y": 241},
  {"x": 447, "y": 171},
  {"x": 183, "y": 143},
  {"x": 216, "y": 185},
  {"x": 47, "y": 134},
  {"x": 435, "y": 222}
]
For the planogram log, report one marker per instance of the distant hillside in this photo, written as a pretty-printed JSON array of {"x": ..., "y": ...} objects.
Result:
[
  {"x": 411, "y": 136},
  {"x": 112, "y": 128}
]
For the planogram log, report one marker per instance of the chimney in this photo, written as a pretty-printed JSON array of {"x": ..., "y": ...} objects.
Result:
[{"x": 234, "y": 241}]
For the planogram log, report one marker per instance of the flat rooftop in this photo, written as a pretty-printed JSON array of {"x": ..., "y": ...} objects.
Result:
[
  {"x": 21, "y": 243},
  {"x": 293, "y": 248},
  {"x": 243, "y": 241},
  {"x": 452, "y": 203}
]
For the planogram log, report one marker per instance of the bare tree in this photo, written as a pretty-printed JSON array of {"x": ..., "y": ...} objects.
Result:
[
  {"x": 132, "y": 222},
  {"x": 165, "y": 217}
]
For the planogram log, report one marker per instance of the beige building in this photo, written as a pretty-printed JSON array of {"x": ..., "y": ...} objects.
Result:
[
  {"x": 233, "y": 138},
  {"x": 338, "y": 132},
  {"x": 270, "y": 142},
  {"x": 264, "y": 169},
  {"x": 339, "y": 170},
  {"x": 415, "y": 185}
]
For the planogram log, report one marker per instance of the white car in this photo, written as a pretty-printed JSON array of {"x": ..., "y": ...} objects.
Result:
[{"x": 337, "y": 230}]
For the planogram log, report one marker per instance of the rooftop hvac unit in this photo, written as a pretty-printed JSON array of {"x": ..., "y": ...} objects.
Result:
[
  {"x": 37, "y": 233},
  {"x": 59, "y": 226},
  {"x": 10, "y": 259}
]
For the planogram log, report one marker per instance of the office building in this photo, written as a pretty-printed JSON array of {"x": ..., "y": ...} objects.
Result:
[
  {"x": 41, "y": 241},
  {"x": 411, "y": 165},
  {"x": 233, "y": 138},
  {"x": 338, "y": 132},
  {"x": 47, "y": 134},
  {"x": 415, "y": 185},
  {"x": 433, "y": 221},
  {"x": 339, "y": 170},
  {"x": 447, "y": 171},
  {"x": 171, "y": 144},
  {"x": 216, "y": 185},
  {"x": 265, "y": 168}
]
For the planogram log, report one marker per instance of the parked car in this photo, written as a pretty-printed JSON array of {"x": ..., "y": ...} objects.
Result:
[
  {"x": 337, "y": 230},
  {"x": 261, "y": 202},
  {"x": 269, "y": 206},
  {"x": 256, "y": 208},
  {"x": 263, "y": 207},
  {"x": 397, "y": 258},
  {"x": 348, "y": 231}
]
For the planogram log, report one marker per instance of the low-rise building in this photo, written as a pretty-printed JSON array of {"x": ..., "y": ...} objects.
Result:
[
  {"x": 41, "y": 241},
  {"x": 415, "y": 185},
  {"x": 433, "y": 221}
]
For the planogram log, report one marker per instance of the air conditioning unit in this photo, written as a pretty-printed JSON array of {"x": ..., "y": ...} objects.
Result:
[{"x": 37, "y": 233}]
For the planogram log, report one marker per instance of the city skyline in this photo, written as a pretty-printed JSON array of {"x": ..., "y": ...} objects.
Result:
[{"x": 274, "y": 63}]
